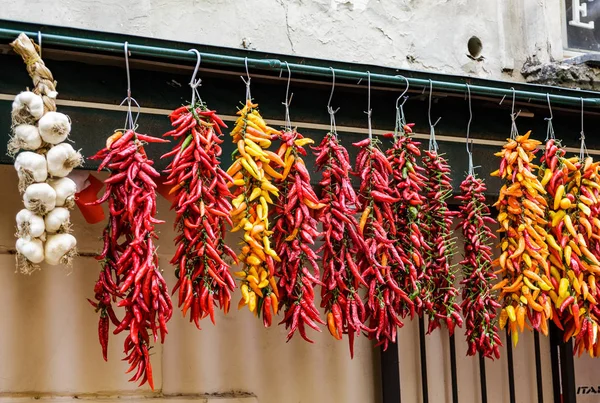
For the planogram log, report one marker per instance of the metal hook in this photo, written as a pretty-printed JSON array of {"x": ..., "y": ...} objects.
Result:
[
  {"x": 40, "y": 42},
  {"x": 400, "y": 120},
  {"x": 129, "y": 121},
  {"x": 332, "y": 88},
  {"x": 582, "y": 149},
  {"x": 288, "y": 99},
  {"x": 368, "y": 112},
  {"x": 332, "y": 127},
  {"x": 550, "y": 128},
  {"x": 194, "y": 84},
  {"x": 549, "y": 108},
  {"x": 404, "y": 92},
  {"x": 432, "y": 142},
  {"x": 469, "y": 150},
  {"x": 127, "y": 70},
  {"x": 247, "y": 80},
  {"x": 469, "y": 143}
]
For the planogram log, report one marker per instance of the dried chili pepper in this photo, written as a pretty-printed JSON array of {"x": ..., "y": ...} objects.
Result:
[
  {"x": 438, "y": 291},
  {"x": 252, "y": 177},
  {"x": 407, "y": 180},
  {"x": 478, "y": 305},
  {"x": 522, "y": 208},
  {"x": 341, "y": 239},
  {"x": 202, "y": 204},
  {"x": 379, "y": 250},
  {"x": 130, "y": 273},
  {"x": 295, "y": 232}
]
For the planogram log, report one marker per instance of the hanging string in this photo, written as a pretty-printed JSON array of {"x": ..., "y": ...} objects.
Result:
[
  {"x": 469, "y": 144},
  {"x": 130, "y": 122},
  {"x": 550, "y": 129},
  {"x": 247, "y": 81},
  {"x": 332, "y": 127},
  {"x": 400, "y": 119},
  {"x": 288, "y": 100},
  {"x": 582, "y": 149},
  {"x": 368, "y": 112},
  {"x": 433, "y": 146},
  {"x": 194, "y": 84},
  {"x": 513, "y": 117}
]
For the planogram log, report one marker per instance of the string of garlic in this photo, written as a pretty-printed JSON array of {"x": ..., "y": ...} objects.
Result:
[{"x": 43, "y": 161}]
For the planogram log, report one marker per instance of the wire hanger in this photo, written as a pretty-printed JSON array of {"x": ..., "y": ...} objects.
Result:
[
  {"x": 332, "y": 127},
  {"x": 194, "y": 84},
  {"x": 130, "y": 122},
  {"x": 288, "y": 100},
  {"x": 582, "y": 150},
  {"x": 369, "y": 111},
  {"x": 550, "y": 129},
  {"x": 469, "y": 144},
  {"x": 400, "y": 119},
  {"x": 514, "y": 132},
  {"x": 433, "y": 146},
  {"x": 247, "y": 80}
]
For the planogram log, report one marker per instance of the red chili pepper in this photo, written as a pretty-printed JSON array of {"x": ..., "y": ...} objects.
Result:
[
  {"x": 130, "y": 267},
  {"x": 478, "y": 276},
  {"x": 293, "y": 239},
  {"x": 200, "y": 182}
]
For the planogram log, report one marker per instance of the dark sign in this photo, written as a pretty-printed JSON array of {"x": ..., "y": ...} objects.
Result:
[{"x": 583, "y": 24}]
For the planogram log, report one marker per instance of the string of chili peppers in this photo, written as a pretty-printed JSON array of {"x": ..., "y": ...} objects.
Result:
[
  {"x": 295, "y": 231},
  {"x": 252, "y": 179},
  {"x": 377, "y": 249},
  {"x": 406, "y": 182},
  {"x": 202, "y": 205},
  {"x": 129, "y": 261},
  {"x": 340, "y": 236}
]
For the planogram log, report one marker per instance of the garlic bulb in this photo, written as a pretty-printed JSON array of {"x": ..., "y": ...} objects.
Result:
[
  {"x": 30, "y": 252},
  {"x": 54, "y": 127},
  {"x": 65, "y": 190},
  {"x": 29, "y": 225},
  {"x": 27, "y": 108},
  {"x": 60, "y": 249},
  {"x": 62, "y": 158},
  {"x": 39, "y": 198},
  {"x": 58, "y": 220},
  {"x": 31, "y": 167},
  {"x": 25, "y": 137}
]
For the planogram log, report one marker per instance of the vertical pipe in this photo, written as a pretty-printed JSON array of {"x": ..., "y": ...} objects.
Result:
[
  {"x": 567, "y": 369},
  {"x": 555, "y": 341},
  {"x": 453, "y": 373},
  {"x": 390, "y": 374},
  {"x": 423, "y": 349},
  {"x": 482, "y": 379},
  {"x": 511, "y": 368},
  {"x": 538, "y": 367}
]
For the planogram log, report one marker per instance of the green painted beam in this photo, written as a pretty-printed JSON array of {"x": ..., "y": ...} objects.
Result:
[{"x": 86, "y": 40}]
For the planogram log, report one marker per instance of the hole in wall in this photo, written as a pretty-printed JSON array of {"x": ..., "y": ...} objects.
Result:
[{"x": 474, "y": 46}]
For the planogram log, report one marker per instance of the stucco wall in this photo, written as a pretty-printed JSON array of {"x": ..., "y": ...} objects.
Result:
[{"x": 417, "y": 34}]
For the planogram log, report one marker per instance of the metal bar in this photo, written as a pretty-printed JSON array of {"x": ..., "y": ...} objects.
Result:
[
  {"x": 567, "y": 369},
  {"x": 482, "y": 379},
  {"x": 423, "y": 350},
  {"x": 538, "y": 367},
  {"x": 555, "y": 340},
  {"x": 538, "y": 93},
  {"x": 453, "y": 374},
  {"x": 511, "y": 368},
  {"x": 390, "y": 374}
]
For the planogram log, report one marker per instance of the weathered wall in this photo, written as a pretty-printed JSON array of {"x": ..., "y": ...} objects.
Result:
[{"x": 417, "y": 34}]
